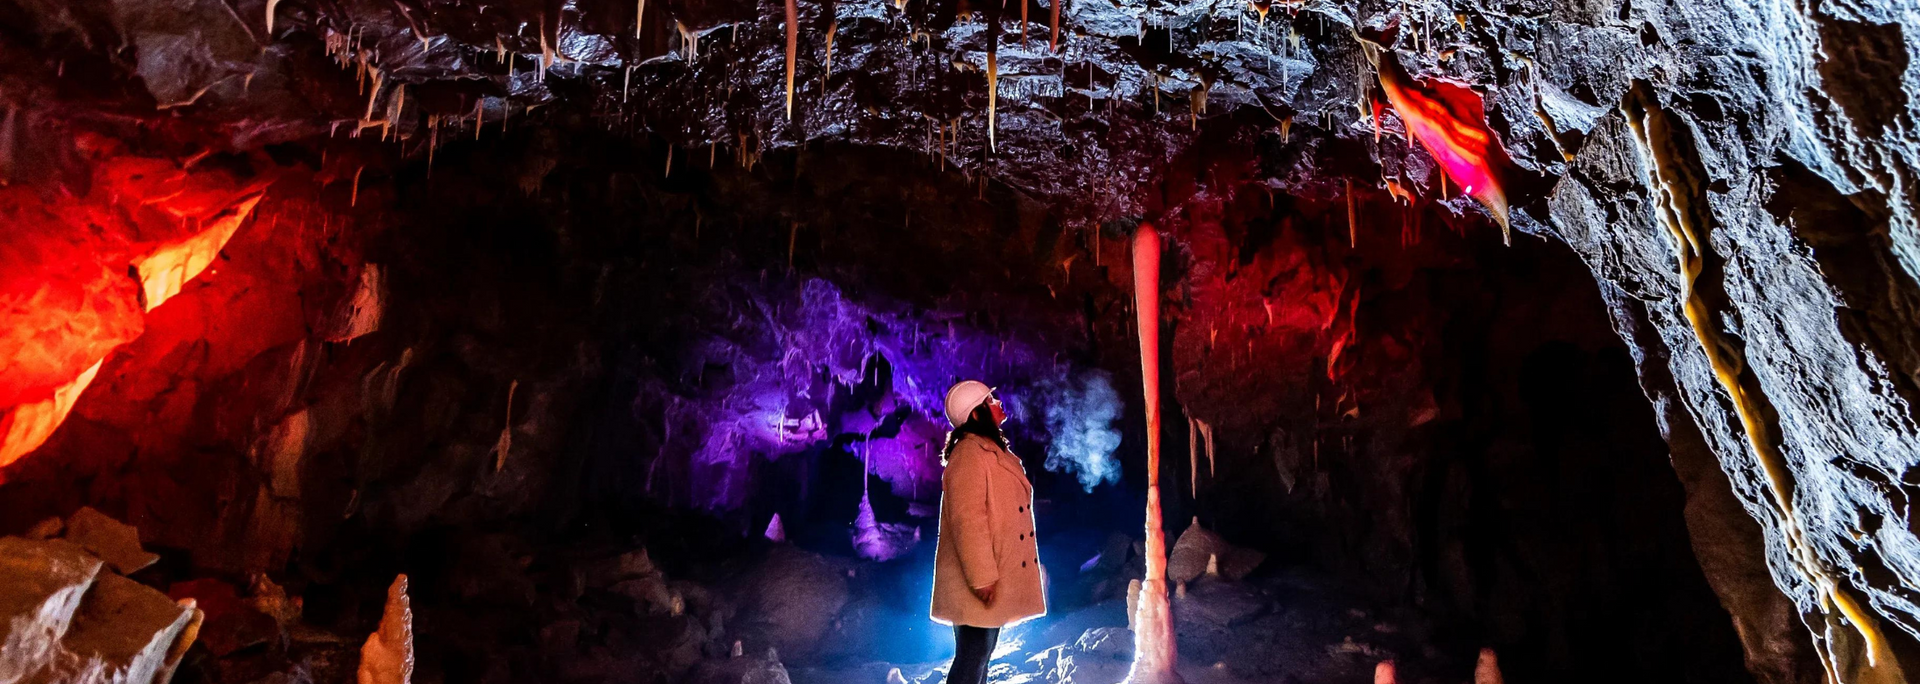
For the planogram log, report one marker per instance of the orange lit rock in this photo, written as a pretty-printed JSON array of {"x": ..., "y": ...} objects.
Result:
[
  {"x": 28, "y": 426},
  {"x": 1487, "y": 669},
  {"x": 167, "y": 269},
  {"x": 387, "y": 658},
  {"x": 1451, "y": 123}
]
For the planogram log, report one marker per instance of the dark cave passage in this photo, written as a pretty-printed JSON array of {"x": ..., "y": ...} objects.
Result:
[{"x": 493, "y": 341}]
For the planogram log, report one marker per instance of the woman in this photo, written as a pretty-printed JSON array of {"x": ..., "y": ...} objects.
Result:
[{"x": 987, "y": 563}]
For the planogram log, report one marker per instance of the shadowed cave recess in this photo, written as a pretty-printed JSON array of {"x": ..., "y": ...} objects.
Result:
[{"x": 387, "y": 341}]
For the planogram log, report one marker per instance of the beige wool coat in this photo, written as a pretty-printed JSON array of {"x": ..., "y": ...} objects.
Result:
[{"x": 986, "y": 537}]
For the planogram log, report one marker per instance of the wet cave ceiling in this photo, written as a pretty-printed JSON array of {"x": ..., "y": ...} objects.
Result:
[{"x": 1452, "y": 292}]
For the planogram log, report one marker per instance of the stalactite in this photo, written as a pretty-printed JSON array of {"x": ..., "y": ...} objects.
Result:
[
  {"x": 271, "y": 4},
  {"x": 479, "y": 116},
  {"x": 832, "y": 29},
  {"x": 1024, "y": 5},
  {"x": 993, "y": 92},
  {"x": 1154, "y": 651},
  {"x": 546, "y": 49},
  {"x": 505, "y": 443},
  {"x": 639, "y": 18},
  {"x": 1206, "y": 442},
  {"x": 354, "y": 200},
  {"x": 1676, "y": 192},
  {"x": 1353, "y": 219},
  {"x": 1054, "y": 45},
  {"x": 793, "y": 48},
  {"x": 1286, "y": 129}
]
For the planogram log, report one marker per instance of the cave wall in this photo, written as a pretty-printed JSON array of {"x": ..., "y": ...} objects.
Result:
[{"x": 1765, "y": 148}]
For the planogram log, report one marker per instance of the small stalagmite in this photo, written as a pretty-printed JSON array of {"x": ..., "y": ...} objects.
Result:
[
  {"x": 1383, "y": 673},
  {"x": 388, "y": 656},
  {"x": 1487, "y": 670}
]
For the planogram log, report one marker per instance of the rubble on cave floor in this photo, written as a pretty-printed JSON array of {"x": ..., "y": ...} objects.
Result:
[{"x": 591, "y": 612}]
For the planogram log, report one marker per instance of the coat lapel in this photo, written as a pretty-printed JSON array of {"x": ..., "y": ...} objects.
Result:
[{"x": 1012, "y": 464}]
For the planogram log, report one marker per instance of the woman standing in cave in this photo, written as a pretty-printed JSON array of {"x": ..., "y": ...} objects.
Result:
[{"x": 987, "y": 562}]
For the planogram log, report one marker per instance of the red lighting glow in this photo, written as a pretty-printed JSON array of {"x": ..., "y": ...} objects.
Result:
[{"x": 1449, "y": 120}]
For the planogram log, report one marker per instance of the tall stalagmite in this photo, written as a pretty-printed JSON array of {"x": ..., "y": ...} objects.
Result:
[{"x": 1154, "y": 652}]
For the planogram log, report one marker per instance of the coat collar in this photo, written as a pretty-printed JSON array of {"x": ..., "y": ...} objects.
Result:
[{"x": 1006, "y": 460}]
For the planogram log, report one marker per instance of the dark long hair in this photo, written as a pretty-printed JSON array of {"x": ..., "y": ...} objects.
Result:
[{"x": 981, "y": 423}]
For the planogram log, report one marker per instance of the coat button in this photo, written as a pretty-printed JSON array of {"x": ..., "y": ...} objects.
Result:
[
  {"x": 1023, "y": 564},
  {"x": 1023, "y": 537}
]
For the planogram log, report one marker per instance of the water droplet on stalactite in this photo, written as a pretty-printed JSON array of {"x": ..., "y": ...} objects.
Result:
[{"x": 793, "y": 47}]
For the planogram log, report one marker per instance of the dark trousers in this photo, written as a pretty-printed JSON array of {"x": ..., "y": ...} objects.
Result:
[{"x": 973, "y": 649}]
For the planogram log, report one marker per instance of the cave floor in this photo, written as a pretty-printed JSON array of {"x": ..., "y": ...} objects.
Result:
[{"x": 1286, "y": 627}]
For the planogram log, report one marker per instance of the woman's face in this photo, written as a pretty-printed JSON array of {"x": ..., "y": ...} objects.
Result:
[{"x": 999, "y": 412}]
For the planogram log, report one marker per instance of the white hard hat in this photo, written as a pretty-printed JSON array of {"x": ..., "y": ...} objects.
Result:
[{"x": 963, "y": 398}]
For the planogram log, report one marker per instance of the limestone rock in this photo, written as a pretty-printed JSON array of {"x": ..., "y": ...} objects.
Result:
[
  {"x": 1487, "y": 670},
  {"x": 41, "y": 585},
  {"x": 113, "y": 541},
  {"x": 387, "y": 658},
  {"x": 740, "y": 670},
  {"x": 1221, "y": 605},
  {"x": 792, "y": 599},
  {"x": 1198, "y": 547},
  {"x": 123, "y": 632}
]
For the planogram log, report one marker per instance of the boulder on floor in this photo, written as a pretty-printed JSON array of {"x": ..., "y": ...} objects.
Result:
[
  {"x": 791, "y": 600},
  {"x": 1220, "y": 604},
  {"x": 113, "y": 541},
  {"x": 1200, "y": 547},
  {"x": 123, "y": 632},
  {"x": 1102, "y": 654},
  {"x": 230, "y": 624},
  {"x": 41, "y": 587},
  {"x": 741, "y": 670}
]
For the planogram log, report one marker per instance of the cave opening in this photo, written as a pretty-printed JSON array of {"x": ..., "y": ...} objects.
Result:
[{"x": 533, "y": 341}]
